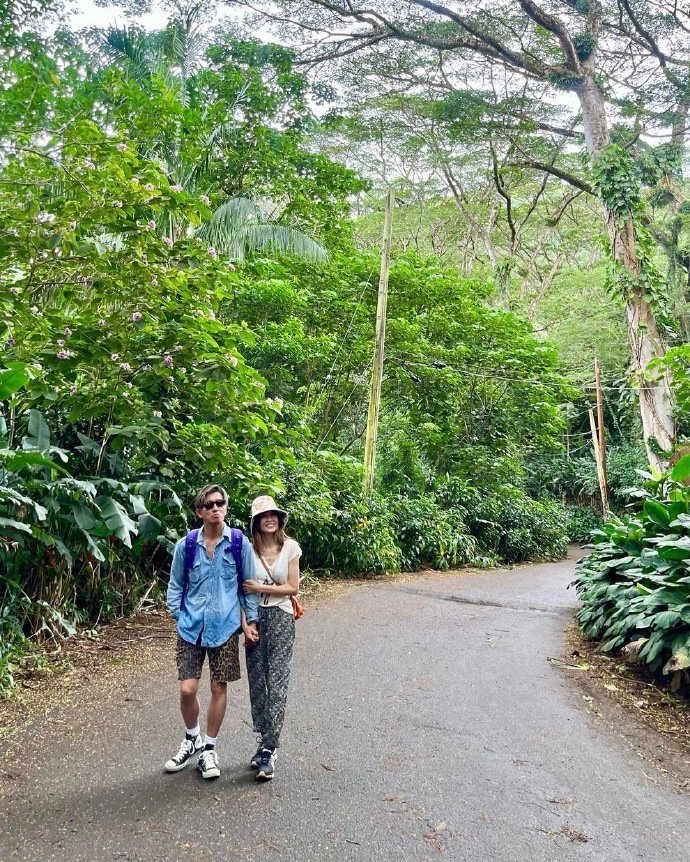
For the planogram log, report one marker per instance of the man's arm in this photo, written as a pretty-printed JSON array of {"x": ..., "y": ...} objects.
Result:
[
  {"x": 176, "y": 582},
  {"x": 249, "y": 603}
]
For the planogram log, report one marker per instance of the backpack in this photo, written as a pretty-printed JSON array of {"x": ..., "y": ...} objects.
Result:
[{"x": 190, "y": 546}]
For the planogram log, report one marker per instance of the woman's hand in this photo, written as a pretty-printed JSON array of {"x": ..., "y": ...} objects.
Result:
[{"x": 253, "y": 587}]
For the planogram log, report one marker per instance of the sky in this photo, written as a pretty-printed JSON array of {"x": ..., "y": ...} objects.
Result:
[{"x": 87, "y": 14}]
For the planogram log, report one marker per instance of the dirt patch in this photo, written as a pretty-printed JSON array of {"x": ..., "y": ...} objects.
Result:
[{"x": 654, "y": 721}]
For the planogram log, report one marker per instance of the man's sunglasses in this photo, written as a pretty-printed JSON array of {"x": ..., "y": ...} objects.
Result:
[{"x": 210, "y": 504}]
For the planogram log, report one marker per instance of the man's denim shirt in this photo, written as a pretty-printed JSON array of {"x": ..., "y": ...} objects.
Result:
[{"x": 210, "y": 605}]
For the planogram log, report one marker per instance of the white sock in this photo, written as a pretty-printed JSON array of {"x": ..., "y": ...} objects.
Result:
[
  {"x": 193, "y": 731},
  {"x": 210, "y": 740}
]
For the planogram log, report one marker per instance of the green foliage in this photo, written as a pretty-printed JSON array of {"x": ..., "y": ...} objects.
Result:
[
  {"x": 430, "y": 535},
  {"x": 584, "y": 44},
  {"x": 516, "y": 528},
  {"x": 616, "y": 178},
  {"x": 581, "y": 522},
  {"x": 507, "y": 524},
  {"x": 635, "y": 585}
]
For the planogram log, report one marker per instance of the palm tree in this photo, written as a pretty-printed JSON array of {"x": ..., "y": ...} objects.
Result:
[{"x": 174, "y": 56}]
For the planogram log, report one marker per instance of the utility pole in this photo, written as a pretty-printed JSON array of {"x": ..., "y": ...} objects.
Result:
[
  {"x": 600, "y": 414},
  {"x": 377, "y": 370},
  {"x": 599, "y": 441}
]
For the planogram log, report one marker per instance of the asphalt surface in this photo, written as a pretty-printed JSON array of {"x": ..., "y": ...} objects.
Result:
[{"x": 424, "y": 722}]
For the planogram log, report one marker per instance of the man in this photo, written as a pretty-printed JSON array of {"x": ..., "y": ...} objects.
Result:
[{"x": 205, "y": 597}]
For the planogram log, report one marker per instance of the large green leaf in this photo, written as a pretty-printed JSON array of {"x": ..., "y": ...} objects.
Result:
[
  {"x": 39, "y": 433},
  {"x": 681, "y": 470},
  {"x": 15, "y": 525},
  {"x": 657, "y": 512},
  {"x": 117, "y": 520},
  {"x": 149, "y": 527},
  {"x": 12, "y": 379}
]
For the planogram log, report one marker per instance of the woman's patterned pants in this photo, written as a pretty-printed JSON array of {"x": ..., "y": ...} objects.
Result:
[{"x": 268, "y": 671}]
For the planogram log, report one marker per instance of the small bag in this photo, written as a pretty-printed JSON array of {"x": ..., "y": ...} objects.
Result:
[{"x": 298, "y": 608}]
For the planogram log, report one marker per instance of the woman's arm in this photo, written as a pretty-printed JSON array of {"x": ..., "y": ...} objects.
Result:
[{"x": 289, "y": 588}]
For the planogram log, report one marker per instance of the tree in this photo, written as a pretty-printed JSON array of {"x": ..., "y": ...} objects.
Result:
[
  {"x": 201, "y": 125},
  {"x": 578, "y": 47}
]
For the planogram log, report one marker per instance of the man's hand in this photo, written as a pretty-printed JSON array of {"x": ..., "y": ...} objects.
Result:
[
  {"x": 251, "y": 634},
  {"x": 253, "y": 587}
]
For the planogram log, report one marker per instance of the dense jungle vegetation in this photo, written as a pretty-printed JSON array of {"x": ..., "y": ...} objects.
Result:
[{"x": 190, "y": 227}]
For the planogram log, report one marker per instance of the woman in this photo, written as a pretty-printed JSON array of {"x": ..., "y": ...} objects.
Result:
[{"x": 268, "y": 661}]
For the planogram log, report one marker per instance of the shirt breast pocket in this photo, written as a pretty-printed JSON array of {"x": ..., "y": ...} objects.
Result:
[
  {"x": 195, "y": 574},
  {"x": 228, "y": 570}
]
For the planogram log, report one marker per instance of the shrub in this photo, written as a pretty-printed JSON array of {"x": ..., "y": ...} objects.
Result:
[
  {"x": 635, "y": 585},
  {"x": 580, "y": 522},
  {"x": 515, "y": 528},
  {"x": 431, "y": 535}
]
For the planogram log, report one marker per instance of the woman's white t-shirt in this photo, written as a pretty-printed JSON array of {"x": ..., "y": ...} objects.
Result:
[{"x": 279, "y": 575}]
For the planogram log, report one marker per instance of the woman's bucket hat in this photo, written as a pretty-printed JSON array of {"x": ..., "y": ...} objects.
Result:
[{"x": 263, "y": 504}]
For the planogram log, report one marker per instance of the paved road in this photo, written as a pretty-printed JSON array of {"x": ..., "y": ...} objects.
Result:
[{"x": 424, "y": 723}]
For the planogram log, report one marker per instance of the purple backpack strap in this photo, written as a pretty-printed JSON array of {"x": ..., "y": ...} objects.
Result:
[
  {"x": 189, "y": 556},
  {"x": 189, "y": 551},
  {"x": 236, "y": 551}
]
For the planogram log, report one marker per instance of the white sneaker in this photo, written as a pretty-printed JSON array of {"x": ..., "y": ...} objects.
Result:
[
  {"x": 188, "y": 749},
  {"x": 208, "y": 764}
]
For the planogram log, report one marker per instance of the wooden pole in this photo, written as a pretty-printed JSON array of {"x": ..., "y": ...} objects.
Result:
[
  {"x": 600, "y": 414},
  {"x": 600, "y": 467},
  {"x": 377, "y": 370}
]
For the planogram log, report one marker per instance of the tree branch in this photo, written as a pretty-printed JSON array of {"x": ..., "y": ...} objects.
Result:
[{"x": 556, "y": 172}]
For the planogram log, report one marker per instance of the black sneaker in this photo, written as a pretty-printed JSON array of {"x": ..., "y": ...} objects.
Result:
[
  {"x": 208, "y": 763},
  {"x": 188, "y": 749},
  {"x": 267, "y": 763},
  {"x": 256, "y": 757}
]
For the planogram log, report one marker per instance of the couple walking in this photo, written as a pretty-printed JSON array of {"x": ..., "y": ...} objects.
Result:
[{"x": 222, "y": 583}]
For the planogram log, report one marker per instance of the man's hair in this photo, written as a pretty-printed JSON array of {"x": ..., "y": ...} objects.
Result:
[{"x": 200, "y": 498}]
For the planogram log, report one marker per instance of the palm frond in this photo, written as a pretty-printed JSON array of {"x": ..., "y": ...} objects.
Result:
[
  {"x": 130, "y": 48},
  {"x": 238, "y": 227}
]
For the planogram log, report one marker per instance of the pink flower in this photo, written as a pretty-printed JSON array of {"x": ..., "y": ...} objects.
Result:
[
  {"x": 146, "y": 367},
  {"x": 168, "y": 241},
  {"x": 64, "y": 354},
  {"x": 151, "y": 224},
  {"x": 233, "y": 361},
  {"x": 157, "y": 414},
  {"x": 15, "y": 290},
  {"x": 68, "y": 332},
  {"x": 205, "y": 199},
  {"x": 168, "y": 361},
  {"x": 125, "y": 366},
  {"x": 212, "y": 251},
  {"x": 102, "y": 322},
  {"x": 136, "y": 315},
  {"x": 114, "y": 357},
  {"x": 61, "y": 342},
  {"x": 73, "y": 390},
  {"x": 176, "y": 188}
]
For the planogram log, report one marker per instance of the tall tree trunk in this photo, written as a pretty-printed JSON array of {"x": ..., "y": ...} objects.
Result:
[{"x": 643, "y": 332}]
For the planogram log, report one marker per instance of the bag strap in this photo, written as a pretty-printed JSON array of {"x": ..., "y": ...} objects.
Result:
[
  {"x": 236, "y": 551},
  {"x": 190, "y": 549},
  {"x": 268, "y": 571}
]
